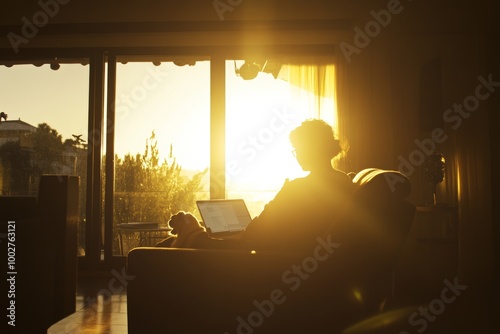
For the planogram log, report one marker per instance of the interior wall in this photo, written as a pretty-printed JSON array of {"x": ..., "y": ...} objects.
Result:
[
  {"x": 384, "y": 130},
  {"x": 470, "y": 152}
]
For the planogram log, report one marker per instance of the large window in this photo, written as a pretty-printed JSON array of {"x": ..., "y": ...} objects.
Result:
[
  {"x": 162, "y": 145},
  {"x": 179, "y": 131},
  {"x": 45, "y": 129}
]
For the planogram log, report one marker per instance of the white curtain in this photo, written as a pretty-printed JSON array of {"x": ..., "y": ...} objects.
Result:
[{"x": 317, "y": 88}]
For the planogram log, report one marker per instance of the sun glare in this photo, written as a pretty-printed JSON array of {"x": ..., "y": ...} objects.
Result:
[
  {"x": 174, "y": 101},
  {"x": 260, "y": 113}
]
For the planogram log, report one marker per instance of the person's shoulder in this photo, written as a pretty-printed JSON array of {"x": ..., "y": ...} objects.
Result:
[
  {"x": 294, "y": 185},
  {"x": 342, "y": 181},
  {"x": 338, "y": 177},
  {"x": 297, "y": 182},
  {"x": 344, "y": 177}
]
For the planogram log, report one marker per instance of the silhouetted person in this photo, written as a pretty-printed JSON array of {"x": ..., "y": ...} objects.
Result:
[{"x": 305, "y": 208}]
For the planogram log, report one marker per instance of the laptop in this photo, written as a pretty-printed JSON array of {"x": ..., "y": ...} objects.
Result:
[{"x": 224, "y": 218}]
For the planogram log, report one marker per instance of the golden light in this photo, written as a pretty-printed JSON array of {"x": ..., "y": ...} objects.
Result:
[{"x": 260, "y": 114}]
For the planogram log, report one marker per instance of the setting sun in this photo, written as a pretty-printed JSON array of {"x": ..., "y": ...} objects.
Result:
[{"x": 260, "y": 115}]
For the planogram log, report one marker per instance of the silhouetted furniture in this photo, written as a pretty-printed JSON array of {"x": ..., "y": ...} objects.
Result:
[
  {"x": 232, "y": 291},
  {"x": 381, "y": 220},
  {"x": 149, "y": 233},
  {"x": 431, "y": 253},
  {"x": 45, "y": 263}
]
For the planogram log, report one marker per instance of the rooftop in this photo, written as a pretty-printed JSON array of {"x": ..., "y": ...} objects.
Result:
[{"x": 17, "y": 125}]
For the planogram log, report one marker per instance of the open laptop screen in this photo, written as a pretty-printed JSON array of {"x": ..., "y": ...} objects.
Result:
[{"x": 224, "y": 216}]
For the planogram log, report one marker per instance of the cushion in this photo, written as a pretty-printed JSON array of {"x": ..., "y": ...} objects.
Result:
[{"x": 387, "y": 183}]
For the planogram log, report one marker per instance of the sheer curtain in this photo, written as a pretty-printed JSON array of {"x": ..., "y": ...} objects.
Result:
[{"x": 317, "y": 85}]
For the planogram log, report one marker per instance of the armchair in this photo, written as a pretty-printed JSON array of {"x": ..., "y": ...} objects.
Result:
[{"x": 235, "y": 291}]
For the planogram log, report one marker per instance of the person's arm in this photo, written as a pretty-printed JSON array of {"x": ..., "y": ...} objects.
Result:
[{"x": 264, "y": 229}]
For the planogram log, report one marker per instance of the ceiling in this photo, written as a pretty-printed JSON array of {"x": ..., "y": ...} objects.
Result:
[{"x": 76, "y": 27}]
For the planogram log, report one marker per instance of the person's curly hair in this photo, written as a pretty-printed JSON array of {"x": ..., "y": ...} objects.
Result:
[{"x": 316, "y": 135}]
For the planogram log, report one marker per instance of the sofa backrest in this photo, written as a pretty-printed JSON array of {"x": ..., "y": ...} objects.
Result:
[
  {"x": 381, "y": 219},
  {"x": 380, "y": 213},
  {"x": 223, "y": 291}
]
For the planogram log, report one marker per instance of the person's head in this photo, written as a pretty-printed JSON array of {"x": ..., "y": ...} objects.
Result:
[{"x": 314, "y": 144}]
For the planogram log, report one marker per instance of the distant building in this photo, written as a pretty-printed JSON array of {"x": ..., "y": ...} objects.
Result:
[
  {"x": 21, "y": 175},
  {"x": 16, "y": 131},
  {"x": 15, "y": 181}
]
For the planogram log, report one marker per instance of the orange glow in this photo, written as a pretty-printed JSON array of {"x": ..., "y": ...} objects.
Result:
[
  {"x": 260, "y": 115},
  {"x": 458, "y": 182}
]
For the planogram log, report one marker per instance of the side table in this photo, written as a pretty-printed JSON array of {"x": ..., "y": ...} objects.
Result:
[{"x": 149, "y": 233}]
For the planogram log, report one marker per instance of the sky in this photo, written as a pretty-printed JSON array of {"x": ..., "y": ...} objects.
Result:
[
  {"x": 40, "y": 95},
  {"x": 174, "y": 102}
]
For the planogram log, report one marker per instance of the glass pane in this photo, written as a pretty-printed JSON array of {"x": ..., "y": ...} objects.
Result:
[
  {"x": 260, "y": 113},
  {"x": 162, "y": 147},
  {"x": 45, "y": 131}
]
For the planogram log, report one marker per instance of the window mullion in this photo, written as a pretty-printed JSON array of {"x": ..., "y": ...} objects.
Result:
[{"x": 217, "y": 127}]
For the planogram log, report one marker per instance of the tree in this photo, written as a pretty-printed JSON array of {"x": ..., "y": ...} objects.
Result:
[
  {"x": 48, "y": 149},
  {"x": 16, "y": 167},
  {"x": 41, "y": 153},
  {"x": 149, "y": 191}
]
